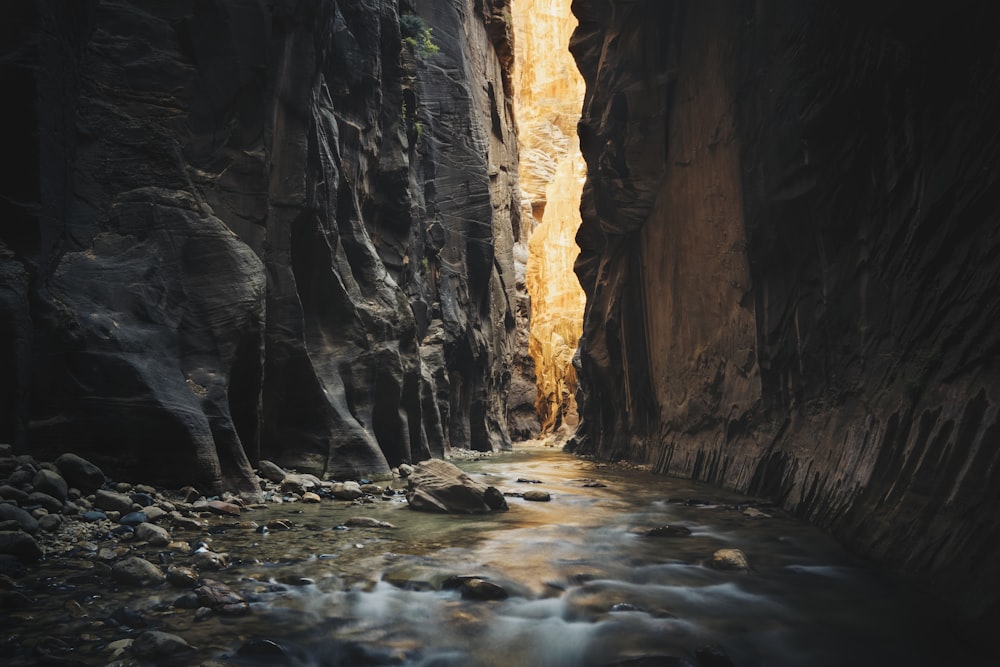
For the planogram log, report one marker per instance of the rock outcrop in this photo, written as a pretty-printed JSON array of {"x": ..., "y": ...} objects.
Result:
[
  {"x": 241, "y": 231},
  {"x": 790, "y": 251}
]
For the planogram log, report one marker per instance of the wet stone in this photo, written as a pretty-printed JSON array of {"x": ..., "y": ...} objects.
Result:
[
  {"x": 142, "y": 499},
  {"x": 134, "y": 519},
  {"x": 111, "y": 501},
  {"x": 181, "y": 576},
  {"x": 223, "y": 508},
  {"x": 310, "y": 497},
  {"x": 480, "y": 589},
  {"x": 729, "y": 560},
  {"x": 137, "y": 572},
  {"x": 271, "y": 471},
  {"x": 537, "y": 496},
  {"x": 156, "y": 536},
  {"x": 220, "y": 598},
  {"x": 93, "y": 515},
  {"x": 367, "y": 522}
]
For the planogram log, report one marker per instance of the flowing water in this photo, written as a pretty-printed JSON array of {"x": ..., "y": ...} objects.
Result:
[{"x": 585, "y": 586}]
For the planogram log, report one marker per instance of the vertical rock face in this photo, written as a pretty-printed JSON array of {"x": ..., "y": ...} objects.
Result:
[
  {"x": 241, "y": 230},
  {"x": 790, "y": 252},
  {"x": 549, "y": 96}
]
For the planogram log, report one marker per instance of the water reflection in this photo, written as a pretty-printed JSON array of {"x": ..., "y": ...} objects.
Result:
[{"x": 585, "y": 586}]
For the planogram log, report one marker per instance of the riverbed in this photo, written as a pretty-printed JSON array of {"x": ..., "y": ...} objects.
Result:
[{"x": 584, "y": 585}]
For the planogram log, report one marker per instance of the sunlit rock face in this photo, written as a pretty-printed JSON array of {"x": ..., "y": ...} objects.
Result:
[
  {"x": 549, "y": 96},
  {"x": 791, "y": 255},
  {"x": 248, "y": 230}
]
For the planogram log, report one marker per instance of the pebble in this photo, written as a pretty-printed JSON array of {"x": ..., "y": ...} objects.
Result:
[
  {"x": 209, "y": 560},
  {"x": 310, "y": 497},
  {"x": 50, "y": 522},
  {"x": 93, "y": 515},
  {"x": 220, "y": 598}
]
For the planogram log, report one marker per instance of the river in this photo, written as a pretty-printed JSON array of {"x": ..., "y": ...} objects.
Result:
[{"x": 585, "y": 586}]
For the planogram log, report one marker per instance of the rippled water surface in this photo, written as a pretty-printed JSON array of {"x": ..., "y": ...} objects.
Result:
[{"x": 585, "y": 587}]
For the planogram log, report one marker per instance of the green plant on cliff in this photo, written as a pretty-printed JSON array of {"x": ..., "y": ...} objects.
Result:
[{"x": 417, "y": 34}]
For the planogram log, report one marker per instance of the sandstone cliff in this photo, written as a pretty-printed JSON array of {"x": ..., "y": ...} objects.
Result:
[
  {"x": 239, "y": 230},
  {"x": 790, "y": 251}
]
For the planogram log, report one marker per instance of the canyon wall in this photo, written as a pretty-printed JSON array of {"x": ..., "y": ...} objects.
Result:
[
  {"x": 791, "y": 254},
  {"x": 549, "y": 94},
  {"x": 239, "y": 230}
]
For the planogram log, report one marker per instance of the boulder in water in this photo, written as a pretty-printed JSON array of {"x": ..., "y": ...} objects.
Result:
[
  {"x": 138, "y": 572},
  {"x": 439, "y": 486},
  {"x": 220, "y": 598},
  {"x": 729, "y": 559},
  {"x": 668, "y": 531}
]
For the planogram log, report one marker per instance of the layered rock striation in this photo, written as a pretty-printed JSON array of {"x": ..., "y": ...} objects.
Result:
[
  {"x": 241, "y": 231},
  {"x": 790, "y": 251}
]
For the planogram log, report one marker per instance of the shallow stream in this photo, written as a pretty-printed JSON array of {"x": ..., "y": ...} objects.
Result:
[{"x": 585, "y": 586}]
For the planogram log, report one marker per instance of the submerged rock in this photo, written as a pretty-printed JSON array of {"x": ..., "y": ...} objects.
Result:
[
  {"x": 153, "y": 644},
  {"x": 480, "y": 589},
  {"x": 439, "y": 486},
  {"x": 367, "y": 522},
  {"x": 668, "y": 531},
  {"x": 156, "y": 536},
  {"x": 220, "y": 598},
  {"x": 137, "y": 572}
]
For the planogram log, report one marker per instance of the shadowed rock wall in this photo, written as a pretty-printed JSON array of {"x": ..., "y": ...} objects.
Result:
[
  {"x": 242, "y": 230},
  {"x": 791, "y": 254}
]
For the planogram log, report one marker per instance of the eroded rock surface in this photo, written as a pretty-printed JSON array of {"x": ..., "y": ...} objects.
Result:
[
  {"x": 243, "y": 231},
  {"x": 789, "y": 250},
  {"x": 440, "y": 486}
]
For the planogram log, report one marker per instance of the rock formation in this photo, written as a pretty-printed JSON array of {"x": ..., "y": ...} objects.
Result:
[
  {"x": 790, "y": 251},
  {"x": 549, "y": 96},
  {"x": 236, "y": 231}
]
